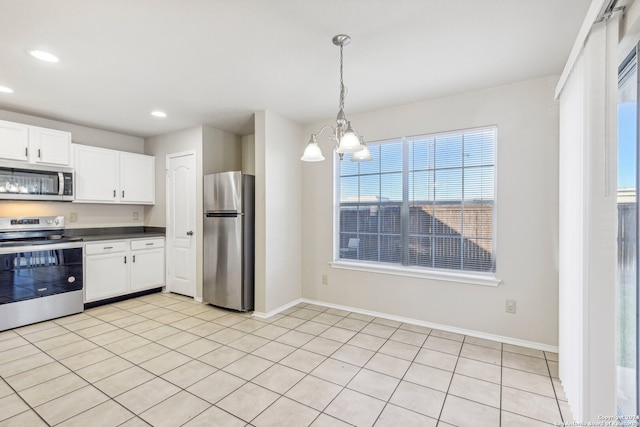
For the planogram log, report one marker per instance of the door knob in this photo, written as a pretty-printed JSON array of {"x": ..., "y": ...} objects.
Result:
[{"x": 189, "y": 233}]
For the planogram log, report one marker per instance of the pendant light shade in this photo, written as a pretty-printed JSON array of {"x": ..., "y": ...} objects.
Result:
[
  {"x": 312, "y": 153},
  {"x": 349, "y": 143},
  {"x": 346, "y": 138},
  {"x": 364, "y": 155}
]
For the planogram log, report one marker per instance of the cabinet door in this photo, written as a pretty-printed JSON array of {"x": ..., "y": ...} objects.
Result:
[
  {"x": 96, "y": 174},
  {"x": 147, "y": 269},
  {"x": 106, "y": 276},
  {"x": 137, "y": 178},
  {"x": 14, "y": 141},
  {"x": 50, "y": 146}
]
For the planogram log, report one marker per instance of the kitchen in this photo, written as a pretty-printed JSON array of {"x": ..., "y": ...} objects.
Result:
[{"x": 248, "y": 102}]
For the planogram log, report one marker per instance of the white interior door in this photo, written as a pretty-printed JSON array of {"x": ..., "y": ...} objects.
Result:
[{"x": 181, "y": 223}]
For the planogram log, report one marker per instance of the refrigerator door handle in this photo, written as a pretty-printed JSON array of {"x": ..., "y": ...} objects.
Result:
[{"x": 223, "y": 214}]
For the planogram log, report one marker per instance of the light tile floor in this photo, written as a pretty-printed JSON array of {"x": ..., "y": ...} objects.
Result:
[{"x": 165, "y": 360}]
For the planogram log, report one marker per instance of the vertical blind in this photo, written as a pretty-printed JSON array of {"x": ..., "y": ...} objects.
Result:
[{"x": 425, "y": 201}]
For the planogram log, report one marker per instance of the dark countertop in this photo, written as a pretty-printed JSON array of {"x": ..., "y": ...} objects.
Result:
[{"x": 115, "y": 233}]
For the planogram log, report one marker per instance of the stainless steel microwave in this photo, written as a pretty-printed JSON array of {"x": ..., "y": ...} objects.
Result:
[{"x": 35, "y": 182}]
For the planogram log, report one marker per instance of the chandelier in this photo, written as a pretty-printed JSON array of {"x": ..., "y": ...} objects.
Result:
[{"x": 346, "y": 139}]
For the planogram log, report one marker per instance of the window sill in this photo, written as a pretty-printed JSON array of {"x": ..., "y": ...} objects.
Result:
[{"x": 445, "y": 276}]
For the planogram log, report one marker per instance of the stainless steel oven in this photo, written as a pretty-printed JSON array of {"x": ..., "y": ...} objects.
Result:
[{"x": 41, "y": 274}]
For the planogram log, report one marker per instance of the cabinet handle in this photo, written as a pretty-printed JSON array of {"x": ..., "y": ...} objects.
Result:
[
  {"x": 39, "y": 156},
  {"x": 26, "y": 151},
  {"x": 149, "y": 244},
  {"x": 125, "y": 259},
  {"x": 114, "y": 193},
  {"x": 108, "y": 247},
  {"x": 123, "y": 194},
  {"x": 134, "y": 258}
]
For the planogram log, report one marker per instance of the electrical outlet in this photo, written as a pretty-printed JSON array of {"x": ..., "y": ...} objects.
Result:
[
  {"x": 135, "y": 216},
  {"x": 325, "y": 279},
  {"x": 510, "y": 306},
  {"x": 73, "y": 217}
]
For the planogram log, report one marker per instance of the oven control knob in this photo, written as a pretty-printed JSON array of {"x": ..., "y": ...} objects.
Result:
[{"x": 49, "y": 221}]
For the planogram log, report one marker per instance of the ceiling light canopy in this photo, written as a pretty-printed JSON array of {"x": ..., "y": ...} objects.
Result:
[
  {"x": 44, "y": 56},
  {"x": 5, "y": 89},
  {"x": 158, "y": 113},
  {"x": 344, "y": 136}
]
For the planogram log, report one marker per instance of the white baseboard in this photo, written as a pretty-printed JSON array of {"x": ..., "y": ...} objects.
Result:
[
  {"x": 261, "y": 315},
  {"x": 472, "y": 333},
  {"x": 469, "y": 332},
  {"x": 198, "y": 299}
]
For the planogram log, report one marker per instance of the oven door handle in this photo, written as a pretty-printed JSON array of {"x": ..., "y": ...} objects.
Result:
[{"x": 37, "y": 248}]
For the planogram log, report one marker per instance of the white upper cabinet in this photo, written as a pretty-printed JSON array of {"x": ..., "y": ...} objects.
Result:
[
  {"x": 110, "y": 176},
  {"x": 49, "y": 146},
  {"x": 14, "y": 141},
  {"x": 137, "y": 178},
  {"x": 96, "y": 174},
  {"x": 33, "y": 144}
]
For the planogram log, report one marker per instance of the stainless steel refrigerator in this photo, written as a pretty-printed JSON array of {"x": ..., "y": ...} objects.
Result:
[{"x": 229, "y": 207}]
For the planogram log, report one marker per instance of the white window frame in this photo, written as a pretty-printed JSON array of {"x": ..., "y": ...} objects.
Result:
[{"x": 447, "y": 275}]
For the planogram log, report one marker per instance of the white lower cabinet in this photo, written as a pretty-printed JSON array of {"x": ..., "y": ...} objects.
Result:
[
  {"x": 115, "y": 268},
  {"x": 147, "y": 264}
]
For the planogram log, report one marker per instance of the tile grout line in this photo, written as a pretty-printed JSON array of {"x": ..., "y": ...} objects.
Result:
[
  {"x": 386, "y": 402},
  {"x": 451, "y": 380},
  {"x": 24, "y": 401},
  {"x": 501, "y": 381},
  {"x": 404, "y": 375},
  {"x": 553, "y": 386}
]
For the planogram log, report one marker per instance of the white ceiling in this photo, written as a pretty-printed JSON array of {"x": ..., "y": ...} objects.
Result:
[{"x": 215, "y": 62}]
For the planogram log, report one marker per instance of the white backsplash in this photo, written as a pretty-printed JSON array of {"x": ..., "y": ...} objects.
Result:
[{"x": 86, "y": 215}]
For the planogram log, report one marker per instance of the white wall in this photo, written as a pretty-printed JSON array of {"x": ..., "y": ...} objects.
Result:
[
  {"x": 221, "y": 151},
  {"x": 278, "y": 210},
  {"x": 159, "y": 146},
  {"x": 527, "y": 217},
  {"x": 249, "y": 154},
  {"x": 88, "y": 215}
]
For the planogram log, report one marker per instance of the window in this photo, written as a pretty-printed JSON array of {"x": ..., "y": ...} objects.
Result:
[{"x": 425, "y": 201}]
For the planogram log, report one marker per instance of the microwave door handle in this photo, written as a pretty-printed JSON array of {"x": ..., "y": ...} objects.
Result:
[{"x": 60, "y": 184}]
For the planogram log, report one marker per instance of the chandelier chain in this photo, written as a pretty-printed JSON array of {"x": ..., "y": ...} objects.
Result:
[{"x": 341, "y": 82}]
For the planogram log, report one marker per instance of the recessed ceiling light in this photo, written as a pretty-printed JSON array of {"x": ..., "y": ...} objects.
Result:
[
  {"x": 5, "y": 89},
  {"x": 158, "y": 113},
  {"x": 44, "y": 56}
]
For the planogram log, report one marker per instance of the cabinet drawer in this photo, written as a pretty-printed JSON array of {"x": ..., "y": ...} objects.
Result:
[
  {"x": 147, "y": 244},
  {"x": 105, "y": 248}
]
